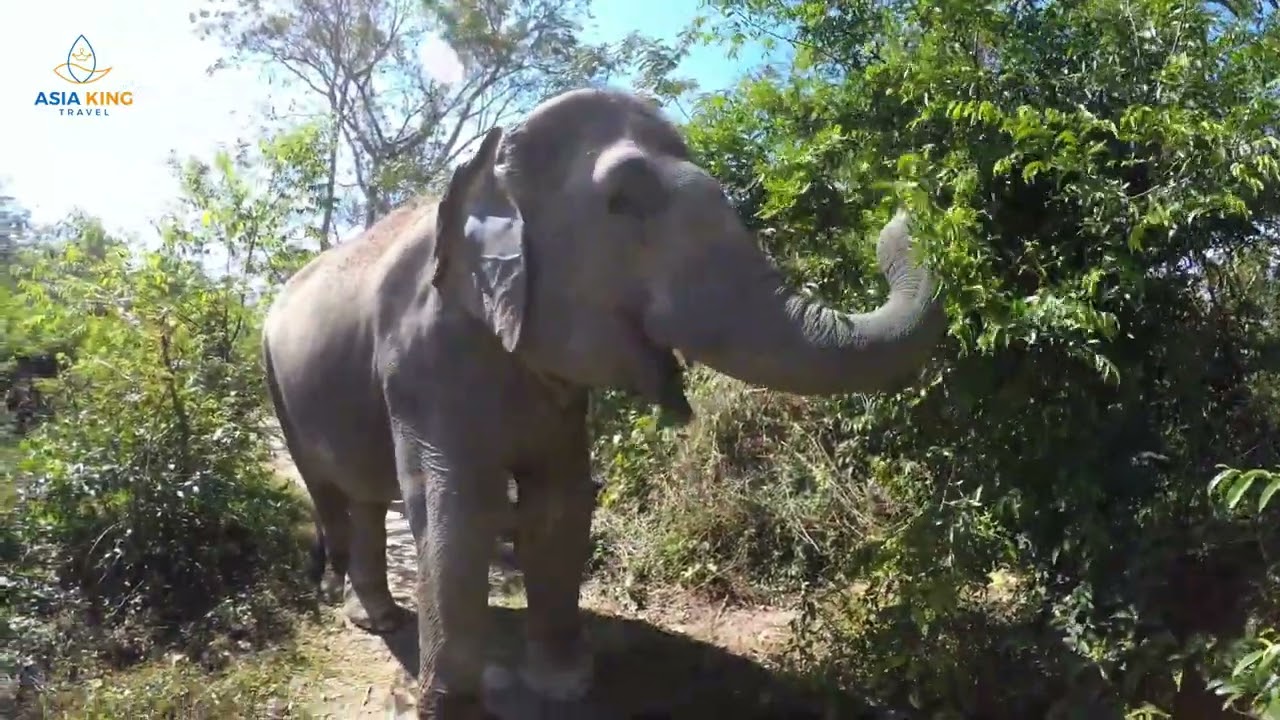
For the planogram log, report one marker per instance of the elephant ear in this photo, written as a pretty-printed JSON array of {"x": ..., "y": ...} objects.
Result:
[{"x": 480, "y": 245}]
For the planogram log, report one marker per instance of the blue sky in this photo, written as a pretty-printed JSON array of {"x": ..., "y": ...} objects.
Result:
[
  {"x": 115, "y": 167},
  {"x": 665, "y": 19}
]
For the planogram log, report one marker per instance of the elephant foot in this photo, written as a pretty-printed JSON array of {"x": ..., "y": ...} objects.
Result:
[
  {"x": 509, "y": 696},
  {"x": 331, "y": 588},
  {"x": 562, "y": 683},
  {"x": 386, "y": 617},
  {"x": 451, "y": 706},
  {"x": 560, "y": 680}
]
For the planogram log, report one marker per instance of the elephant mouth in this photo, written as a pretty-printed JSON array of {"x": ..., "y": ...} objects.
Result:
[
  {"x": 661, "y": 380},
  {"x": 672, "y": 401}
]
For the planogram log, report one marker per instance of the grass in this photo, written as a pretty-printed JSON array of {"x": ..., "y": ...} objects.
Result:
[
  {"x": 263, "y": 673},
  {"x": 262, "y": 684},
  {"x": 272, "y": 675},
  {"x": 8, "y": 461},
  {"x": 747, "y": 502}
]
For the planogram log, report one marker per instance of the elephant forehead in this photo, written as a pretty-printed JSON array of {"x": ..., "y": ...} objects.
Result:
[{"x": 615, "y": 112}]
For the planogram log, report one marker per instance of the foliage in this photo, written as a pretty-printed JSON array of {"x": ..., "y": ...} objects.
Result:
[
  {"x": 1095, "y": 184},
  {"x": 1253, "y": 681},
  {"x": 15, "y": 222},
  {"x": 27, "y": 353},
  {"x": 1233, "y": 485},
  {"x": 146, "y": 513},
  {"x": 14, "y": 226},
  {"x": 1254, "y": 677},
  {"x": 13, "y": 340}
]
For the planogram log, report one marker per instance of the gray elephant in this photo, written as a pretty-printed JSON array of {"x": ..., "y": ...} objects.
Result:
[{"x": 452, "y": 346}]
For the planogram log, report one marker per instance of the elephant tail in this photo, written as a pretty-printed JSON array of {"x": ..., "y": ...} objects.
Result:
[{"x": 315, "y": 569}]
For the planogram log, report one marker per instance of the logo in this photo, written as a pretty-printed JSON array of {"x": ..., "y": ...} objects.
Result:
[{"x": 82, "y": 68}]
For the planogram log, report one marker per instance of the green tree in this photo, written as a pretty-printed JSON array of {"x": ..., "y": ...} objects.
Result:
[
  {"x": 14, "y": 223},
  {"x": 1096, "y": 184},
  {"x": 147, "y": 512}
]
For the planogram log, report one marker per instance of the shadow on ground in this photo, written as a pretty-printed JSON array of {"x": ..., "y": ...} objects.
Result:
[{"x": 646, "y": 673}]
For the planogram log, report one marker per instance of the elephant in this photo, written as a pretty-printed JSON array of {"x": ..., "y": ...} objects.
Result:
[{"x": 452, "y": 346}]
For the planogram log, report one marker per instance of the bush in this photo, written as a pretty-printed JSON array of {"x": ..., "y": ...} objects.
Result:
[
  {"x": 746, "y": 502},
  {"x": 149, "y": 492},
  {"x": 147, "y": 515},
  {"x": 1029, "y": 531}
]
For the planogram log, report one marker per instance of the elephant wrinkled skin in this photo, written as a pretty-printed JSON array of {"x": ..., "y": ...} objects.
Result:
[{"x": 452, "y": 345}]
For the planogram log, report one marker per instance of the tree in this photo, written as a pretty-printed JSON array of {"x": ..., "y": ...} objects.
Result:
[
  {"x": 148, "y": 509},
  {"x": 1097, "y": 183},
  {"x": 398, "y": 122},
  {"x": 15, "y": 221}
]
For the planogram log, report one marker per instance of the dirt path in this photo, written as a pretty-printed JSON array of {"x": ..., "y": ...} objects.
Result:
[{"x": 678, "y": 659}]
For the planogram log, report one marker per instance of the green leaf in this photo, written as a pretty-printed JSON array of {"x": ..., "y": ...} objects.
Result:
[
  {"x": 1245, "y": 662},
  {"x": 1240, "y": 486},
  {"x": 1268, "y": 493}
]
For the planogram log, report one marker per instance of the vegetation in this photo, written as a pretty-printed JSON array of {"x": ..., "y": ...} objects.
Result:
[
  {"x": 145, "y": 515},
  {"x": 1073, "y": 512},
  {"x": 1106, "y": 237}
]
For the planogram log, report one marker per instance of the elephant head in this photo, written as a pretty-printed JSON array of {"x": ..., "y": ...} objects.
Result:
[{"x": 594, "y": 247}]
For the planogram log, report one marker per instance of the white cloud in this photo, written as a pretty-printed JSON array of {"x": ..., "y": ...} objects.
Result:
[{"x": 440, "y": 62}]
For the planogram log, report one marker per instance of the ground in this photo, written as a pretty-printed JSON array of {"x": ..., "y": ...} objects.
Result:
[{"x": 680, "y": 657}]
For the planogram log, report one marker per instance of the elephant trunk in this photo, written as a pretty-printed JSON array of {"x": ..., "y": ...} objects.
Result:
[{"x": 780, "y": 340}]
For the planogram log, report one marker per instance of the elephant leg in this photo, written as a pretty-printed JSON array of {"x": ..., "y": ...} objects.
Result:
[
  {"x": 553, "y": 545},
  {"x": 333, "y": 530},
  {"x": 461, "y": 513},
  {"x": 372, "y": 607}
]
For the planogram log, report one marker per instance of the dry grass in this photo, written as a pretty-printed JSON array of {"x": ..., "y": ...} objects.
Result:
[
  {"x": 267, "y": 684},
  {"x": 747, "y": 502}
]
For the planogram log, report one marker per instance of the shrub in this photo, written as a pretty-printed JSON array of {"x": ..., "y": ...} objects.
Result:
[
  {"x": 1031, "y": 531},
  {"x": 147, "y": 514}
]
